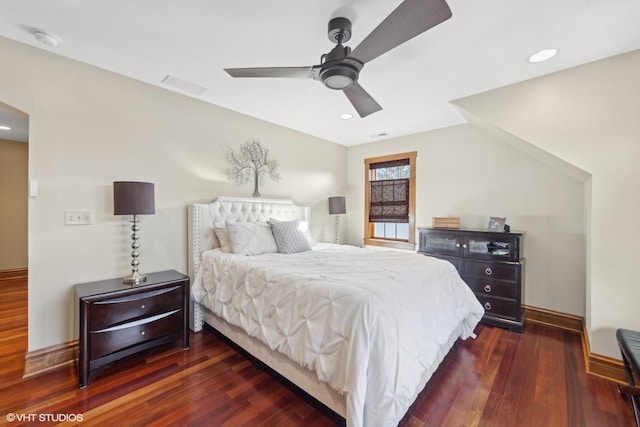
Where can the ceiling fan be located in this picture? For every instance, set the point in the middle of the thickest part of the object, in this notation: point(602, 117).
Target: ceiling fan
point(340, 68)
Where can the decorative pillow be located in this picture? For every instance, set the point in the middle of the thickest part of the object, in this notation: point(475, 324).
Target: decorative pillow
point(302, 226)
point(251, 238)
point(289, 238)
point(224, 239)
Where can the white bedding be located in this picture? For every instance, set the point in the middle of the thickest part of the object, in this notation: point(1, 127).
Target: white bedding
point(368, 322)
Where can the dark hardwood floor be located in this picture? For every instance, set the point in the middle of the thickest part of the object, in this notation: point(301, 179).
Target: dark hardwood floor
point(502, 378)
point(13, 330)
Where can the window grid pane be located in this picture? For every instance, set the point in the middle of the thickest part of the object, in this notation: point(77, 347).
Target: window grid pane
point(402, 231)
point(389, 230)
point(378, 229)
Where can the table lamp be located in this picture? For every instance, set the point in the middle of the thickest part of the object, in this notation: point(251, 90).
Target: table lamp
point(134, 198)
point(337, 207)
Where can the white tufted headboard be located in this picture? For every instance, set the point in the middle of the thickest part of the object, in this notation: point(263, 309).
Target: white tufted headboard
point(203, 216)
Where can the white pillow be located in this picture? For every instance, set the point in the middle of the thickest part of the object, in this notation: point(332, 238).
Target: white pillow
point(302, 226)
point(224, 239)
point(289, 238)
point(251, 238)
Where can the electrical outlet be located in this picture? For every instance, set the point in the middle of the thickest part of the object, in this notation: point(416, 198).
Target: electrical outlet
point(78, 217)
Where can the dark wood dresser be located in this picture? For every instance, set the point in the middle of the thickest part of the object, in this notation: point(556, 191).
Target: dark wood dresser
point(117, 319)
point(491, 263)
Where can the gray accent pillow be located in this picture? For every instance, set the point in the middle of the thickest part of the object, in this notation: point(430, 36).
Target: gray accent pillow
point(289, 238)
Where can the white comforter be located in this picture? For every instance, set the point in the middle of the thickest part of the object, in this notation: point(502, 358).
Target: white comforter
point(369, 322)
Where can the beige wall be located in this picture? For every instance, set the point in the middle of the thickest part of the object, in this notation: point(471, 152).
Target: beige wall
point(588, 116)
point(464, 172)
point(90, 127)
point(13, 204)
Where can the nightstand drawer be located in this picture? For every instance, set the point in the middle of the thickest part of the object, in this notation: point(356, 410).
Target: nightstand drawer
point(115, 338)
point(490, 287)
point(491, 270)
point(499, 307)
point(121, 309)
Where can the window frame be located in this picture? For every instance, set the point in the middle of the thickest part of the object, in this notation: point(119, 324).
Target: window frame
point(369, 239)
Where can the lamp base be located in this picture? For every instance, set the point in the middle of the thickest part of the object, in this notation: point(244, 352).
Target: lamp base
point(134, 278)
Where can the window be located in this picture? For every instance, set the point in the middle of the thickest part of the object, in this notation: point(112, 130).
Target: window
point(390, 201)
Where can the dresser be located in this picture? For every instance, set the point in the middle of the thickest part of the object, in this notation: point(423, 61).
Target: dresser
point(491, 263)
point(117, 320)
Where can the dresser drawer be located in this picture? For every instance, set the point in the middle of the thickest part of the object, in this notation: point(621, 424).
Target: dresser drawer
point(115, 338)
point(499, 307)
point(121, 309)
point(490, 287)
point(491, 270)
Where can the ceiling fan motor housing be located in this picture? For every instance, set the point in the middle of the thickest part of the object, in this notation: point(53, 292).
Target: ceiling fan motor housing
point(339, 30)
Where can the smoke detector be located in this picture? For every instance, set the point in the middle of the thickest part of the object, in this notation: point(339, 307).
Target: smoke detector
point(46, 38)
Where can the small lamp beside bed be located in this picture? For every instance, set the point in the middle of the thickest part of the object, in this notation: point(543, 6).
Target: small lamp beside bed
point(337, 207)
point(134, 198)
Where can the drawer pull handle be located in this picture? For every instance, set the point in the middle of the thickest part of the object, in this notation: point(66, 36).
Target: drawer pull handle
point(487, 288)
point(457, 245)
point(464, 246)
point(487, 306)
point(142, 306)
point(142, 333)
point(488, 271)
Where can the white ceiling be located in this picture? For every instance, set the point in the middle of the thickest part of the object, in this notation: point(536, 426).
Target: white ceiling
point(17, 122)
point(483, 46)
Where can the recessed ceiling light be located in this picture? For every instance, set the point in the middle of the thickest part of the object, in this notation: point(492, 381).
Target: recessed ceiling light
point(542, 55)
point(46, 38)
point(5, 127)
point(345, 116)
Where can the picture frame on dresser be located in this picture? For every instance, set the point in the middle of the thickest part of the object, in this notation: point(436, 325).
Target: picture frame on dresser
point(496, 223)
point(492, 263)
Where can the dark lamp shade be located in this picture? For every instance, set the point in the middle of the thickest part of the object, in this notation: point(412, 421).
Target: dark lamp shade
point(133, 198)
point(337, 205)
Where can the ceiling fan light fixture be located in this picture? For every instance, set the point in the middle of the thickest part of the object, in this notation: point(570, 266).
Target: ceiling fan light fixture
point(338, 77)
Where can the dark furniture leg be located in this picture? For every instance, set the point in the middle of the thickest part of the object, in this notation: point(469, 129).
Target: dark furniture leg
point(629, 343)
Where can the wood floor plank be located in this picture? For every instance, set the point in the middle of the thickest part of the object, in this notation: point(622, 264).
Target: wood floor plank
point(500, 379)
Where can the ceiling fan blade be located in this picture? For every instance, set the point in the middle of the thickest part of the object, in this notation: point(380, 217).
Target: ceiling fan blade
point(411, 18)
point(293, 72)
point(361, 100)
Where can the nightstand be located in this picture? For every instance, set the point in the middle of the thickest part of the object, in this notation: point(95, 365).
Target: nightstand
point(118, 320)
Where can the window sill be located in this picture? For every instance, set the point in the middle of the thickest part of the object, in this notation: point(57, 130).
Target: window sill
point(391, 244)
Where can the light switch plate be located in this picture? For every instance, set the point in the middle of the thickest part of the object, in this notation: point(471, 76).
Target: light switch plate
point(33, 188)
point(78, 216)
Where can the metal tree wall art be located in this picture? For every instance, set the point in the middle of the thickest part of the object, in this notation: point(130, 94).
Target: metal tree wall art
point(251, 163)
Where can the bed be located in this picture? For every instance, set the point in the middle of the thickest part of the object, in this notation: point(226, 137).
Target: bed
point(360, 330)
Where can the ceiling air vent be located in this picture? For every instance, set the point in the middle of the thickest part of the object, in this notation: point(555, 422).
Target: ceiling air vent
point(378, 135)
point(184, 85)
